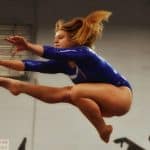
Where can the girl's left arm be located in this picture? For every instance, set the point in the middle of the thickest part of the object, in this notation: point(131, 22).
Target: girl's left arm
point(76, 53)
point(50, 66)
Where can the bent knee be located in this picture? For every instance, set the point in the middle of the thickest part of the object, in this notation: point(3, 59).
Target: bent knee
point(70, 94)
point(74, 94)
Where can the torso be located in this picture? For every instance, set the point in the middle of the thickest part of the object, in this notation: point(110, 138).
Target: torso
point(95, 69)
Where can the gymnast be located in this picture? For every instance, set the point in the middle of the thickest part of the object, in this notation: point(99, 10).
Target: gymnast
point(99, 90)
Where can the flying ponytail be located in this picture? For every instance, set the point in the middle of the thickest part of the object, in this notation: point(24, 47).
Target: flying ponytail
point(85, 31)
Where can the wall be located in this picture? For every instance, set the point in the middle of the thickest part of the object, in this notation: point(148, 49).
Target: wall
point(124, 12)
point(17, 11)
point(16, 113)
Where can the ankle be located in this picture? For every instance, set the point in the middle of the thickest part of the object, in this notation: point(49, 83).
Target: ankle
point(106, 133)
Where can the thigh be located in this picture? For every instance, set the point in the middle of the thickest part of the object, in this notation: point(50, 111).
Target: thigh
point(110, 98)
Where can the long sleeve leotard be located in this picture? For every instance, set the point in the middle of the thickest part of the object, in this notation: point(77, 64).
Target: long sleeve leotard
point(88, 66)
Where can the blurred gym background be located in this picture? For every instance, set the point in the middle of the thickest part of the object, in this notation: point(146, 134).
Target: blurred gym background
point(125, 44)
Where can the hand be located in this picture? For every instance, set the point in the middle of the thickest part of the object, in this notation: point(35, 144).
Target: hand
point(20, 42)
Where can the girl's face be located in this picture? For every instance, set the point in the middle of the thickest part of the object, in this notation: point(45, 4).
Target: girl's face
point(62, 39)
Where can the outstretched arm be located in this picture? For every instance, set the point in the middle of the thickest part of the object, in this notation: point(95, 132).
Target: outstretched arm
point(50, 66)
point(36, 49)
point(76, 53)
point(35, 66)
point(13, 64)
point(22, 44)
point(66, 54)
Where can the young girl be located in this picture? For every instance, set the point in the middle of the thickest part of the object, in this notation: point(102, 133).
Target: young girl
point(98, 91)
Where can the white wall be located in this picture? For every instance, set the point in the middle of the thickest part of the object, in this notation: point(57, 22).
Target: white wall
point(16, 115)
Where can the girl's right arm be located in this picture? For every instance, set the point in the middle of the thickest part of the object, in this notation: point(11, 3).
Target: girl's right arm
point(13, 64)
point(51, 66)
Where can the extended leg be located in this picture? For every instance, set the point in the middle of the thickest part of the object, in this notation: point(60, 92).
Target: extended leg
point(44, 93)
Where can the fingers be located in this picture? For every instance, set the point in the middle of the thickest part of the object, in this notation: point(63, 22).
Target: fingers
point(14, 52)
point(9, 39)
point(18, 41)
point(15, 39)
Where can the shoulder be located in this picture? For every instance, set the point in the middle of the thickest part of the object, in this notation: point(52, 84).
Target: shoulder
point(85, 49)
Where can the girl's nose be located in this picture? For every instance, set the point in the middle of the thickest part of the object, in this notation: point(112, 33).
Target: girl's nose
point(55, 41)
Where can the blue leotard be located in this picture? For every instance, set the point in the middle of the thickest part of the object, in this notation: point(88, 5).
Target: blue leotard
point(88, 66)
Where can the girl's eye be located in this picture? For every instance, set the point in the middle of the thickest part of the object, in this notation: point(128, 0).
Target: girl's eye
point(61, 37)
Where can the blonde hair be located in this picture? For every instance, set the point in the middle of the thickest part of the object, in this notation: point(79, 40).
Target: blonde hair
point(84, 31)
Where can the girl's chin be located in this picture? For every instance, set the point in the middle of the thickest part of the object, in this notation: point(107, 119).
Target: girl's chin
point(58, 46)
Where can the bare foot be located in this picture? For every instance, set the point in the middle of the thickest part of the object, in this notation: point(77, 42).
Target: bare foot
point(106, 132)
point(10, 84)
